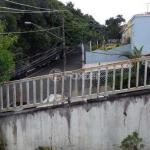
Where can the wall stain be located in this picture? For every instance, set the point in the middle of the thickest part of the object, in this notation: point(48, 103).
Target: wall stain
point(88, 106)
point(65, 112)
point(126, 104)
point(23, 122)
point(14, 127)
point(146, 99)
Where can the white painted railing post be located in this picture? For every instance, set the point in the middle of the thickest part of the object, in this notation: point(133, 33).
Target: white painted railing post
point(129, 76)
point(70, 89)
point(83, 61)
point(1, 97)
point(63, 86)
point(48, 89)
point(55, 88)
point(121, 78)
point(114, 77)
point(137, 75)
point(145, 73)
point(14, 95)
point(34, 92)
point(20, 95)
point(106, 78)
point(83, 83)
point(98, 82)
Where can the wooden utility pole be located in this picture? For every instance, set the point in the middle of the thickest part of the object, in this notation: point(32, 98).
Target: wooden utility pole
point(63, 40)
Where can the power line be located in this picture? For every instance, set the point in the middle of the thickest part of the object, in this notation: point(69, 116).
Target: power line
point(45, 52)
point(21, 4)
point(13, 9)
point(32, 12)
point(4, 33)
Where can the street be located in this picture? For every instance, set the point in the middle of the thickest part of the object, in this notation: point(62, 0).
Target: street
point(73, 62)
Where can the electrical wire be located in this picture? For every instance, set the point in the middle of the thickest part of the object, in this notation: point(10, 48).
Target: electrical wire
point(32, 65)
point(32, 12)
point(4, 33)
point(39, 53)
point(13, 9)
point(21, 4)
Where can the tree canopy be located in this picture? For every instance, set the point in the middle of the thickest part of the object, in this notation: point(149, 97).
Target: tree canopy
point(79, 27)
point(113, 27)
point(6, 57)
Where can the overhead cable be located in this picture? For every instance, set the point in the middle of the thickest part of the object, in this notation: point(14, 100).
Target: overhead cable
point(32, 12)
point(21, 4)
point(5, 33)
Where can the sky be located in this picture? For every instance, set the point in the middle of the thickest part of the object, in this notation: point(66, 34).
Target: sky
point(104, 9)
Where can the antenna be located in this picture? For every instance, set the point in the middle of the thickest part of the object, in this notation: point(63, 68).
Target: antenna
point(147, 4)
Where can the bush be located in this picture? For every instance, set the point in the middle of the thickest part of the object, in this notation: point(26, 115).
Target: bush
point(132, 142)
point(95, 47)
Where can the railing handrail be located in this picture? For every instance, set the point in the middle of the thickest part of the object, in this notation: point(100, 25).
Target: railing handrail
point(77, 71)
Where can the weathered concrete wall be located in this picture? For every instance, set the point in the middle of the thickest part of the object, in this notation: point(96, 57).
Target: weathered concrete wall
point(95, 125)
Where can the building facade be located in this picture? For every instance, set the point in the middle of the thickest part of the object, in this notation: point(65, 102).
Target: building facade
point(137, 32)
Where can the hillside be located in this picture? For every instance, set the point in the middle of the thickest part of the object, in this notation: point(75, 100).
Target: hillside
point(78, 27)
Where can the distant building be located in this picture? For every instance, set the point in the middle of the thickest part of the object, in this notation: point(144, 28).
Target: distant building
point(137, 32)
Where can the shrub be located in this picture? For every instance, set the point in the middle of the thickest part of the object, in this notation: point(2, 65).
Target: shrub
point(132, 142)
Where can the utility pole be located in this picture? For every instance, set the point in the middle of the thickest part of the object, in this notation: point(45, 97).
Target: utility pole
point(63, 40)
point(90, 46)
point(83, 57)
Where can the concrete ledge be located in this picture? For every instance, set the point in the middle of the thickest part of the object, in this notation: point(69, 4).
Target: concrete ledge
point(110, 98)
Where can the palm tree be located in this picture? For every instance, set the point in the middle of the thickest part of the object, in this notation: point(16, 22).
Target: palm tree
point(134, 54)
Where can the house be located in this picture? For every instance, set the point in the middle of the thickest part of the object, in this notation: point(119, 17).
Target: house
point(138, 31)
point(135, 33)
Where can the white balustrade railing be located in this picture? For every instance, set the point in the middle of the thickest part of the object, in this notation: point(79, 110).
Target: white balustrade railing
point(70, 86)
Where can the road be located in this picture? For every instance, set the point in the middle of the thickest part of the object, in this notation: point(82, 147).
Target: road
point(73, 62)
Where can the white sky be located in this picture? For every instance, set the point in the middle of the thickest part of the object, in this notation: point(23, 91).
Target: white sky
point(104, 9)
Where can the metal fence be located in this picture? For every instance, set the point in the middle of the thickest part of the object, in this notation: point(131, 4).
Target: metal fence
point(70, 86)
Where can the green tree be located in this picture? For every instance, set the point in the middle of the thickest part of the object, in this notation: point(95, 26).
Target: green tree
point(113, 27)
point(6, 57)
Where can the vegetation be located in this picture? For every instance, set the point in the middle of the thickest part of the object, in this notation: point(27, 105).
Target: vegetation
point(136, 53)
point(6, 56)
point(130, 55)
point(79, 28)
point(125, 80)
point(2, 143)
point(113, 26)
point(132, 142)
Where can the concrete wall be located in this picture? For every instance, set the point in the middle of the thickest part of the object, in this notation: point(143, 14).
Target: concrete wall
point(140, 32)
point(96, 125)
point(100, 56)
